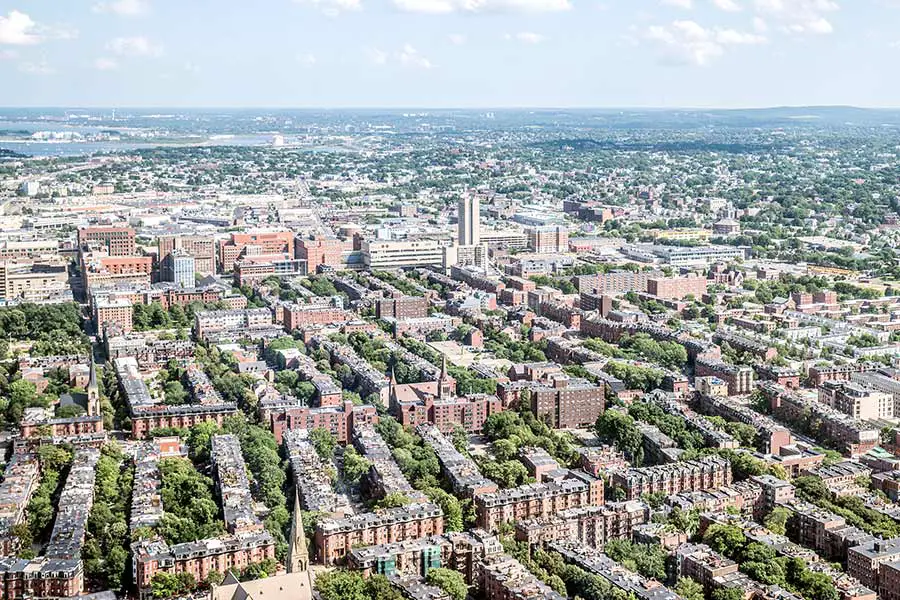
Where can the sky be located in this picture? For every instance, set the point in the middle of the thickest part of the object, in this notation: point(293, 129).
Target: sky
point(449, 53)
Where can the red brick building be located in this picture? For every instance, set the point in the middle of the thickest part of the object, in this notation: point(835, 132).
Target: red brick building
point(321, 250)
point(259, 242)
point(339, 420)
point(530, 501)
point(298, 316)
point(336, 537)
point(219, 555)
point(676, 288)
point(404, 307)
point(703, 474)
point(118, 241)
point(202, 248)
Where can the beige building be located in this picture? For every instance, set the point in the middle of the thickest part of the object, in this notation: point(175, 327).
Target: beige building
point(30, 281)
point(856, 400)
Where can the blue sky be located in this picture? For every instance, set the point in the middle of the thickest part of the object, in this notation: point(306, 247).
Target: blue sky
point(449, 53)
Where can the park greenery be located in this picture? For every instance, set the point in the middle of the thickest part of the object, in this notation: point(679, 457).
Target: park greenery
point(44, 329)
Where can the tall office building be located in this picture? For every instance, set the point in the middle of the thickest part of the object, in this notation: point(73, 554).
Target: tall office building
point(201, 247)
point(469, 226)
point(178, 267)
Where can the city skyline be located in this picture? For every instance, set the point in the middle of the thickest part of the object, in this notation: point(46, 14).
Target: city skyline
point(434, 53)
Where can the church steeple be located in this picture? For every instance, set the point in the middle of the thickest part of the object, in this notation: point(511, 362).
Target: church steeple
point(298, 552)
point(392, 390)
point(444, 382)
point(93, 392)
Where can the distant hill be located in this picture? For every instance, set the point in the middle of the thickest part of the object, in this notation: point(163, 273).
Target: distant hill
point(6, 154)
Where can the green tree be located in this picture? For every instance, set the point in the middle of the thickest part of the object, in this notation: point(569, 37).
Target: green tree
point(341, 585)
point(452, 582)
point(727, 593)
point(776, 521)
point(724, 539)
point(355, 466)
point(324, 442)
point(689, 589)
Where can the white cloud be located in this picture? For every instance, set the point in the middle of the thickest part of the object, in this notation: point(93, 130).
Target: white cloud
point(727, 5)
point(37, 68)
point(682, 4)
point(798, 16)
point(760, 25)
point(442, 7)
point(18, 29)
point(407, 56)
point(377, 57)
point(332, 8)
point(124, 8)
point(307, 60)
point(8, 54)
point(687, 42)
point(410, 57)
point(105, 63)
point(135, 46)
point(457, 39)
point(526, 37)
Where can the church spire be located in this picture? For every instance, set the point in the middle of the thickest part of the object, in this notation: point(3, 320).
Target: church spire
point(93, 391)
point(444, 382)
point(298, 553)
point(392, 390)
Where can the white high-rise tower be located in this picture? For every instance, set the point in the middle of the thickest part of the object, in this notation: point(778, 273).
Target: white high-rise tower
point(469, 221)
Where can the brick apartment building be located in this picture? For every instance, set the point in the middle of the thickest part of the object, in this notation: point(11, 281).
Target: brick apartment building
point(738, 377)
point(300, 316)
point(549, 239)
point(701, 563)
point(874, 564)
point(591, 526)
point(289, 414)
point(148, 413)
point(119, 312)
point(530, 501)
point(614, 282)
point(505, 578)
point(566, 402)
point(99, 269)
point(404, 307)
point(561, 313)
point(335, 538)
point(118, 241)
point(702, 474)
point(676, 288)
point(820, 374)
point(200, 558)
